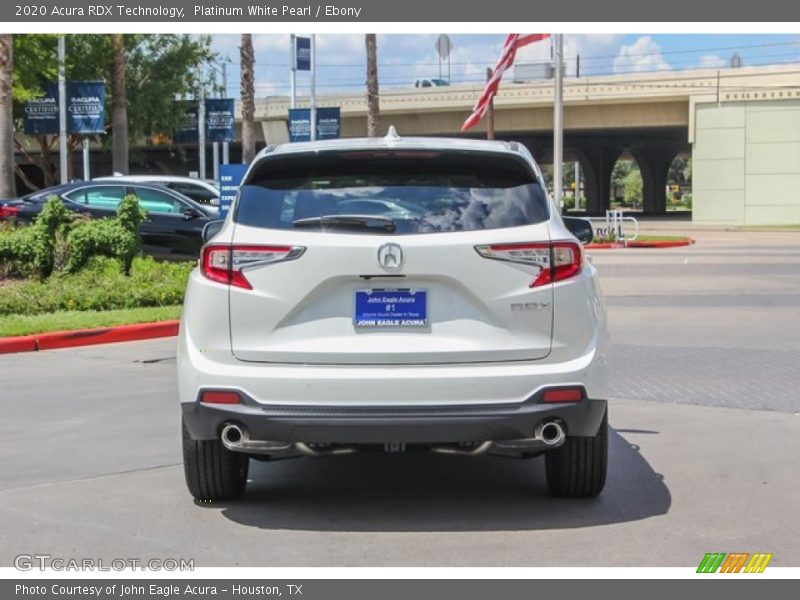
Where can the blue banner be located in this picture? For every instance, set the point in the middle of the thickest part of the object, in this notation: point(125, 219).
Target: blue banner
point(187, 133)
point(230, 178)
point(299, 124)
point(86, 107)
point(41, 114)
point(302, 53)
point(328, 124)
point(220, 123)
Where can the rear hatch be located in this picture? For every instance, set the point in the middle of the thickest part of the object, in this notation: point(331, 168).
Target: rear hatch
point(383, 257)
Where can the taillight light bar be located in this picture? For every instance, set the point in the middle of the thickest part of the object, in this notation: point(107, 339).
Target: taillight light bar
point(557, 261)
point(225, 263)
point(6, 212)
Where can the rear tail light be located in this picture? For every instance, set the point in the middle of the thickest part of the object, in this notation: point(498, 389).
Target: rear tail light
point(220, 397)
point(7, 212)
point(556, 260)
point(227, 263)
point(557, 395)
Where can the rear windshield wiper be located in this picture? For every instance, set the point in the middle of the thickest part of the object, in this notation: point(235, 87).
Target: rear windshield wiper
point(348, 222)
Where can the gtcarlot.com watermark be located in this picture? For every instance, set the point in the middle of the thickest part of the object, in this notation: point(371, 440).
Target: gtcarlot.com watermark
point(44, 562)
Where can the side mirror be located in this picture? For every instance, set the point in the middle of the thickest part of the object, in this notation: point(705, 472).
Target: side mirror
point(211, 229)
point(190, 213)
point(580, 228)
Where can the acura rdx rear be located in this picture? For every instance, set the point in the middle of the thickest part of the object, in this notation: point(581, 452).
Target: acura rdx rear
point(393, 294)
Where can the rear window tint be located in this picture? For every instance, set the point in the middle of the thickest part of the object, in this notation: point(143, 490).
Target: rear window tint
point(419, 191)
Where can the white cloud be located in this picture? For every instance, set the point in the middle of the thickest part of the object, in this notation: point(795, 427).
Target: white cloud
point(643, 55)
point(711, 61)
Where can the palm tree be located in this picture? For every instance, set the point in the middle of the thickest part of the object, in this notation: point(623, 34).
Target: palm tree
point(7, 183)
point(247, 60)
point(119, 105)
point(373, 102)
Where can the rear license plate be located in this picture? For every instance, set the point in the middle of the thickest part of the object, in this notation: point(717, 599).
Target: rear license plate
point(383, 308)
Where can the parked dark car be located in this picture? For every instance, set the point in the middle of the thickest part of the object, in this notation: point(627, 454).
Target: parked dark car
point(174, 223)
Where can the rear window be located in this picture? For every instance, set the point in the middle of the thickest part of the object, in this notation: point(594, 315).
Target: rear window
point(417, 191)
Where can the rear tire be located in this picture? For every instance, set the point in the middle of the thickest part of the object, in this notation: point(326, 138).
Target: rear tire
point(212, 471)
point(577, 469)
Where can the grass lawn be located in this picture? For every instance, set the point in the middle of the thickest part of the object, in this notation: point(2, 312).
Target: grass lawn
point(14, 325)
point(790, 227)
point(660, 238)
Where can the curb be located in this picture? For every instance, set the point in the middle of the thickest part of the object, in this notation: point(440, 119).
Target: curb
point(87, 337)
point(654, 244)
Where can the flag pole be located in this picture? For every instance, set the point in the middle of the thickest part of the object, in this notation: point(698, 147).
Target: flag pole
point(490, 111)
point(558, 123)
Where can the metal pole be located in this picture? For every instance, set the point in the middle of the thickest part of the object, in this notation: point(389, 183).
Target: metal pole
point(577, 184)
point(225, 145)
point(215, 159)
point(558, 125)
point(293, 72)
point(86, 167)
point(201, 128)
point(62, 109)
point(313, 87)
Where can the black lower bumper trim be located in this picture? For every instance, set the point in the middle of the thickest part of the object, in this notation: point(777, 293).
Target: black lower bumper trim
point(377, 425)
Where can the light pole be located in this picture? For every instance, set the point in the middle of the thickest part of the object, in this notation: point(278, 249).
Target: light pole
point(62, 109)
point(558, 124)
point(313, 87)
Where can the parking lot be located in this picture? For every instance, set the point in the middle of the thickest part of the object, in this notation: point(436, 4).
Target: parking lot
point(705, 437)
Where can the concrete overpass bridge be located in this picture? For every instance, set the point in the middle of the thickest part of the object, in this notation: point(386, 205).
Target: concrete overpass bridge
point(723, 117)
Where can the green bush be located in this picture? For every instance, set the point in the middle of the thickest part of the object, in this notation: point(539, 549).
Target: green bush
point(31, 250)
point(100, 286)
point(117, 237)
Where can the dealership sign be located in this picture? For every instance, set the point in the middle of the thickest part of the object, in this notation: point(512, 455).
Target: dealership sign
point(220, 120)
point(85, 109)
point(187, 132)
point(219, 126)
point(86, 113)
point(302, 53)
point(230, 178)
point(328, 123)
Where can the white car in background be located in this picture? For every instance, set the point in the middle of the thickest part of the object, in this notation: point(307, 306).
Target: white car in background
point(456, 314)
point(203, 191)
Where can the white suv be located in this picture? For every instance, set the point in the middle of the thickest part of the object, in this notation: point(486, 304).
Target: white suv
point(400, 294)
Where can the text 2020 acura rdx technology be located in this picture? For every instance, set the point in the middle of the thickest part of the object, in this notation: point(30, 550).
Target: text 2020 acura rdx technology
point(395, 294)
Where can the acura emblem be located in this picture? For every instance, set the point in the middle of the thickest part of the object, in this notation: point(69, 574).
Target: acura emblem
point(390, 256)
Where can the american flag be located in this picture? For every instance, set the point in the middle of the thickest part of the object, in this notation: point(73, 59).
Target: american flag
point(514, 41)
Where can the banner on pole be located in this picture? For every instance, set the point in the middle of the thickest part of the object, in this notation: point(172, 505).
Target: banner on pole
point(187, 133)
point(86, 107)
point(41, 114)
point(220, 123)
point(328, 123)
point(86, 110)
point(302, 53)
point(230, 178)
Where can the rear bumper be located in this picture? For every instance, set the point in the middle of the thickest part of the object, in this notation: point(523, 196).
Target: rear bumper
point(382, 424)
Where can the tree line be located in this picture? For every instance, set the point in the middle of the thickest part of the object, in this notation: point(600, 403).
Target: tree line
point(146, 73)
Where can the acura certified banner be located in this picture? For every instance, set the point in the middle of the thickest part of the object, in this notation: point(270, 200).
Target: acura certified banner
point(85, 109)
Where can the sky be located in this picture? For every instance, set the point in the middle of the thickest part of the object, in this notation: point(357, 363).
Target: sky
point(402, 58)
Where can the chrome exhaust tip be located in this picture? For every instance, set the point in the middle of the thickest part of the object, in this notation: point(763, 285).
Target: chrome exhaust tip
point(551, 433)
point(236, 439)
point(233, 436)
